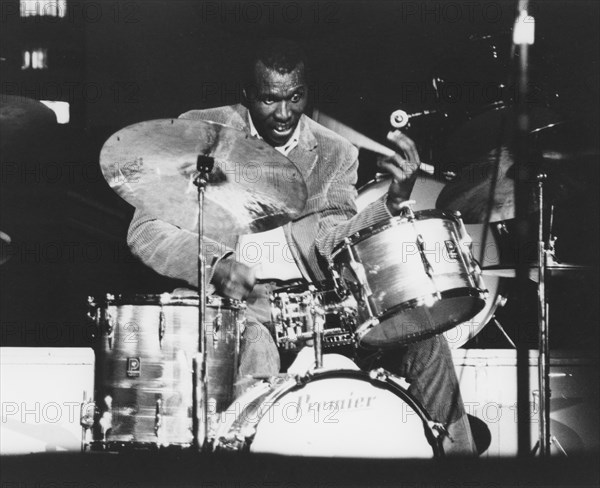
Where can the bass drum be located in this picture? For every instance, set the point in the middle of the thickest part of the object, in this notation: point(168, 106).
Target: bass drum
point(425, 193)
point(330, 413)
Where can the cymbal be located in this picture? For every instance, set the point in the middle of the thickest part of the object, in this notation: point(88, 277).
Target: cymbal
point(493, 126)
point(252, 188)
point(469, 193)
point(554, 270)
point(5, 247)
point(21, 120)
point(570, 141)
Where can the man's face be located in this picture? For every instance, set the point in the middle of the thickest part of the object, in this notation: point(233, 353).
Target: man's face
point(277, 102)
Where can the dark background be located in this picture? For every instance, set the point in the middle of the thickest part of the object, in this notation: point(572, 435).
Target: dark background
point(119, 63)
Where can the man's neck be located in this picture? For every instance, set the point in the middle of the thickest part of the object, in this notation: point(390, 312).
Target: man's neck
point(284, 149)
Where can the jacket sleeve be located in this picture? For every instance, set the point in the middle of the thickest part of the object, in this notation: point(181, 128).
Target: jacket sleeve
point(339, 218)
point(170, 250)
point(315, 236)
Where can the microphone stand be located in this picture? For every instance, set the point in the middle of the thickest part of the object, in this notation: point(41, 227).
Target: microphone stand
point(204, 165)
point(523, 36)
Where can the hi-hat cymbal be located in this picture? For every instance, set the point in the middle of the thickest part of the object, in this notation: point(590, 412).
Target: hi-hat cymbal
point(553, 270)
point(252, 188)
point(491, 127)
point(470, 192)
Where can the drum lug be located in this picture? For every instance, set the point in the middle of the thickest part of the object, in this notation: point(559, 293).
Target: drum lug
point(217, 324)
point(158, 417)
point(105, 421)
point(406, 210)
point(162, 326)
point(87, 414)
point(379, 374)
point(108, 325)
point(361, 275)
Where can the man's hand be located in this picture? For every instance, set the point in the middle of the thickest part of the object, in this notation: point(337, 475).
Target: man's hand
point(232, 279)
point(403, 169)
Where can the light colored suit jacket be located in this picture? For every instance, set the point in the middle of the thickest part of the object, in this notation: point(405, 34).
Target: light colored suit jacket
point(328, 163)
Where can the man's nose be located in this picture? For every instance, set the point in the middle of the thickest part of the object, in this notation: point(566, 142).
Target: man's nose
point(283, 111)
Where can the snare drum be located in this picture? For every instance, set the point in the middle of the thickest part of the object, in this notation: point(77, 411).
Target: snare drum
point(334, 413)
point(145, 348)
point(412, 276)
point(294, 310)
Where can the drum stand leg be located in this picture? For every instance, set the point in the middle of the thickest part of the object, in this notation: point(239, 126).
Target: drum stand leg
point(204, 165)
point(504, 333)
point(318, 319)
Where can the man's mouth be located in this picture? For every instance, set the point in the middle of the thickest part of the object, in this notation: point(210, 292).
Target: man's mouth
point(283, 130)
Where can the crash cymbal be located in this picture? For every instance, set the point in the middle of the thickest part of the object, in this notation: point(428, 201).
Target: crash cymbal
point(252, 188)
point(469, 192)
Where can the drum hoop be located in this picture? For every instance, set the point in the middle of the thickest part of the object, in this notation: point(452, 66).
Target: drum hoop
point(126, 446)
point(295, 383)
point(390, 223)
point(166, 299)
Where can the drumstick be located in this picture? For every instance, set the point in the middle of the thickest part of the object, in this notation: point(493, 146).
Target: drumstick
point(360, 140)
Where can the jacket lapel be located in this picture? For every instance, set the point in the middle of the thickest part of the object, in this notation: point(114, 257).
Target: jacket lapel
point(304, 155)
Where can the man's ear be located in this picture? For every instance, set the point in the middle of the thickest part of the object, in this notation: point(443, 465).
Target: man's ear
point(248, 94)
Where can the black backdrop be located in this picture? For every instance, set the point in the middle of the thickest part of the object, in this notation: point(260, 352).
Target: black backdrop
point(145, 60)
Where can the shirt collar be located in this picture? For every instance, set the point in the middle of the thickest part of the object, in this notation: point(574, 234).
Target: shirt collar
point(287, 147)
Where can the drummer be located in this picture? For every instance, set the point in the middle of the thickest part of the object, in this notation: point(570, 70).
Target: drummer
point(273, 109)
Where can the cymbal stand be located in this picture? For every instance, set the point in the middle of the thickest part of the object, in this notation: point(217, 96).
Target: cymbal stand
point(204, 165)
point(546, 256)
point(318, 321)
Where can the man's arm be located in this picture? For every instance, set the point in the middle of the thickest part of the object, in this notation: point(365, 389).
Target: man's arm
point(170, 250)
point(339, 218)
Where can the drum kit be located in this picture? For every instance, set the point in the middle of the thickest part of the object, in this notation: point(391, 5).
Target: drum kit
point(167, 368)
point(166, 364)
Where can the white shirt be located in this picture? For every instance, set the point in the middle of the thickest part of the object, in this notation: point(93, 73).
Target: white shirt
point(288, 146)
point(268, 252)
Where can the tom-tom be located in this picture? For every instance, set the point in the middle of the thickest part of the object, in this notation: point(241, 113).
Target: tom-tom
point(294, 311)
point(413, 276)
point(330, 413)
point(425, 192)
point(145, 347)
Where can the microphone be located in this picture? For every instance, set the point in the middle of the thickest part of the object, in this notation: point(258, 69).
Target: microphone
point(399, 118)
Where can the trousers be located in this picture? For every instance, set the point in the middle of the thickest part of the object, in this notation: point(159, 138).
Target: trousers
point(426, 365)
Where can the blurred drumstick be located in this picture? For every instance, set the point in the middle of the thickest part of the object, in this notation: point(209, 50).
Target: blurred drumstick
point(358, 139)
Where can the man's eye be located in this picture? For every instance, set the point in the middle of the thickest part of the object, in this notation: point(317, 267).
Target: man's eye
point(296, 97)
point(268, 100)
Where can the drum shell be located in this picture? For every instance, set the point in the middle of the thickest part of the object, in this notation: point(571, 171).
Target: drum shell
point(425, 192)
point(144, 359)
point(407, 303)
point(329, 413)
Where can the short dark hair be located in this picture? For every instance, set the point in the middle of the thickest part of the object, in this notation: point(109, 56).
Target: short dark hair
point(277, 54)
point(281, 55)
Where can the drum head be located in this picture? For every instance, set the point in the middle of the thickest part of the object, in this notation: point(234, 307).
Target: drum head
point(339, 414)
point(417, 323)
